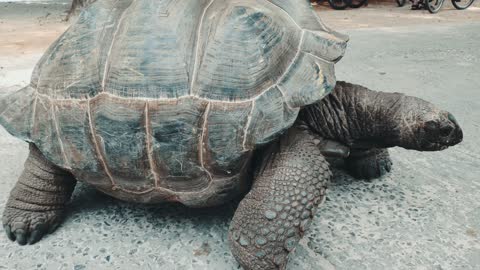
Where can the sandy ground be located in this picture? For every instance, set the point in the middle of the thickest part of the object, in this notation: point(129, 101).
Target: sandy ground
point(26, 31)
point(424, 215)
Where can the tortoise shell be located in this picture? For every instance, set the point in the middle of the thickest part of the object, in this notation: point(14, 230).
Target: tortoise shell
point(154, 100)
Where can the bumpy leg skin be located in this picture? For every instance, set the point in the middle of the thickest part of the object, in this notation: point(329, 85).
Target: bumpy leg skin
point(369, 164)
point(37, 202)
point(287, 190)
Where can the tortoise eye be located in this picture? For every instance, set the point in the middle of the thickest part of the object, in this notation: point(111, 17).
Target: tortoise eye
point(431, 125)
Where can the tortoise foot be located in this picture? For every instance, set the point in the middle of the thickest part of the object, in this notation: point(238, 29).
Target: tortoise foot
point(369, 164)
point(37, 202)
point(277, 212)
point(27, 227)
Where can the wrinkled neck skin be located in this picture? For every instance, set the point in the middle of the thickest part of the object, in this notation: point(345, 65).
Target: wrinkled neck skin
point(361, 118)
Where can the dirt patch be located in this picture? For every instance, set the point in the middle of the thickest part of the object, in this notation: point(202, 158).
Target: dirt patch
point(29, 28)
point(26, 31)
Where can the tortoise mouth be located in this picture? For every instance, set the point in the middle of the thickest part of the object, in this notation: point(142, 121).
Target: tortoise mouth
point(433, 146)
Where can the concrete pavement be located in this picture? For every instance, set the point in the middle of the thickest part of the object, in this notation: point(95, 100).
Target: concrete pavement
point(424, 215)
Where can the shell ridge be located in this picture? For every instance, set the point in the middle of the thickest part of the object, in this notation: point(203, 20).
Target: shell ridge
point(282, 91)
point(319, 58)
point(107, 60)
point(197, 47)
point(156, 99)
point(34, 111)
point(202, 142)
point(148, 142)
point(60, 141)
point(294, 60)
point(286, 13)
point(98, 151)
point(247, 126)
point(37, 67)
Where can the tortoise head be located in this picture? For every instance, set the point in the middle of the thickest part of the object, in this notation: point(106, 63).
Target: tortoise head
point(419, 125)
point(437, 131)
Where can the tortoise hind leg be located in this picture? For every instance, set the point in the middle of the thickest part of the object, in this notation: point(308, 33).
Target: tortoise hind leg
point(369, 164)
point(274, 216)
point(37, 202)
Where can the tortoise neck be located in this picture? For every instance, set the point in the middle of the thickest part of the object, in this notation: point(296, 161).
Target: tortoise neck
point(354, 116)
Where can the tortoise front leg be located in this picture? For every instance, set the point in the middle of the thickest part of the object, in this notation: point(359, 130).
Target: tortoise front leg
point(37, 202)
point(368, 163)
point(287, 190)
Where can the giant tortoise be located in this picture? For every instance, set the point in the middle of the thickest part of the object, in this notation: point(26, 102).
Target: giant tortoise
point(200, 102)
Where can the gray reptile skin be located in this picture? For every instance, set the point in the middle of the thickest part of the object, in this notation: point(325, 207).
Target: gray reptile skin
point(363, 119)
point(277, 211)
point(37, 202)
point(369, 164)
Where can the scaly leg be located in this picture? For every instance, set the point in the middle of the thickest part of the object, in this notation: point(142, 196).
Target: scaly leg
point(369, 164)
point(287, 190)
point(37, 202)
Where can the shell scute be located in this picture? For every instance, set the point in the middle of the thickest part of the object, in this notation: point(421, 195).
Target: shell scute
point(244, 49)
point(44, 131)
point(152, 52)
point(309, 80)
point(325, 45)
point(118, 128)
point(302, 13)
point(224, 141)
point(78, 145)
point(272, 116)
point(72, 66)
point(16, 110)
point(176, 134)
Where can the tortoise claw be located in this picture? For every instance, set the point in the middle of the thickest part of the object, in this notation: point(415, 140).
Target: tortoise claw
point(36, 235)
point(21, 237)
point(9, 233)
